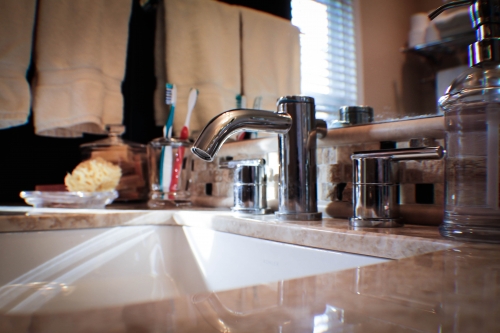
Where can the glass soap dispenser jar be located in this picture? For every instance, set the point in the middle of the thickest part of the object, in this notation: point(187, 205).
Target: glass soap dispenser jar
point(471, 108)
point(131, 157)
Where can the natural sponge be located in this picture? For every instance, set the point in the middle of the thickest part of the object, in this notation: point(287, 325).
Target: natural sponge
point(95, 175)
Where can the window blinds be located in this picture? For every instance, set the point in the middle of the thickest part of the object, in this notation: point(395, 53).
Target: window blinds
point(328, 54)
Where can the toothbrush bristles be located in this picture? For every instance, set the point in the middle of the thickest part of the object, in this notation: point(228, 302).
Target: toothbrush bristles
point(169, 93)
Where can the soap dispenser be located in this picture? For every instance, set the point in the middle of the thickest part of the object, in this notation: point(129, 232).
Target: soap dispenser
point(471, 107)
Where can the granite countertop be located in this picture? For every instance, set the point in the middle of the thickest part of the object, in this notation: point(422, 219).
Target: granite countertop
point(433, 285)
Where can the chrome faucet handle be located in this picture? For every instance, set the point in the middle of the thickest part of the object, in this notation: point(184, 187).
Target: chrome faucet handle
point(375, 184)
point(249, 186)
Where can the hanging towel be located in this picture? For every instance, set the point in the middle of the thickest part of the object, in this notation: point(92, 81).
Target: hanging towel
point(16, 29)
point(270, 57)
point(80, 56)
point(202, 52)
point(160, 108)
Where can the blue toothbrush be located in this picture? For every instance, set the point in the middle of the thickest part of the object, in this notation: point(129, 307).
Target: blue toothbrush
point(165, 172)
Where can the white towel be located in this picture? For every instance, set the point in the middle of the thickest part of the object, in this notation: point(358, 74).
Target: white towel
point(16, 29)
point(271, 57)
point(202, 52)
point(81, 48)
point(160, 108)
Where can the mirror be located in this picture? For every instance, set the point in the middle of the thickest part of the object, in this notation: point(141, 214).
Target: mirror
point(401, 82)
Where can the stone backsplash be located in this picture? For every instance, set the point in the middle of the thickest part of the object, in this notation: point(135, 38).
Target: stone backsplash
point(421, 182)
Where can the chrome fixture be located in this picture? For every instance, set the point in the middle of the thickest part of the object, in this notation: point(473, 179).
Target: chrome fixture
point(355, 115)
point(297, 127)
point(249, 186)
point(485, 18)
point(449, 5)
point(375, 184)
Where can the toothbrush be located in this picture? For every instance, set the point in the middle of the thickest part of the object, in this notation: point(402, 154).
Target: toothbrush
point(241, 103)
point(166, 152)
point(193, 96)
point(256, 106)
point(179, 157)
point(257, 102)
point(170, 99)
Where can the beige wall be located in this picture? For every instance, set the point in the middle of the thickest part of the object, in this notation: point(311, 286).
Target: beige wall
point(392, 79)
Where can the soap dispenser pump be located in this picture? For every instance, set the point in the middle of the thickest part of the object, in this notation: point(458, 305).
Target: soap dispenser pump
point(471, 107)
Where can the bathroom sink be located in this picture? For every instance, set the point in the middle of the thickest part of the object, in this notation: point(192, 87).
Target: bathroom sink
point(70, 270)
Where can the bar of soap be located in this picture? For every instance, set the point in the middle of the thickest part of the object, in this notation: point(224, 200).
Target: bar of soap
point(94, 175)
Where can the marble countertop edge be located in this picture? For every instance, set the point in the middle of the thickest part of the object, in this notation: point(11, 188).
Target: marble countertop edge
point(328, 234)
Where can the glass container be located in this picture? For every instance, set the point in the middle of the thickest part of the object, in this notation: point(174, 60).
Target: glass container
point(472, 125)
point(169, 163)
point(131, 157)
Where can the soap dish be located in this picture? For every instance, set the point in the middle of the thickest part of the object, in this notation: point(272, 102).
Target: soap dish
point(49, 199)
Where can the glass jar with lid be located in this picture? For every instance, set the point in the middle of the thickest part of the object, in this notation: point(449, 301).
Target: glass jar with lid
point(131, 157)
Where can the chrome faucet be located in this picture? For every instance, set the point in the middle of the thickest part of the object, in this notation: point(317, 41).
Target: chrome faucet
point(297, 127)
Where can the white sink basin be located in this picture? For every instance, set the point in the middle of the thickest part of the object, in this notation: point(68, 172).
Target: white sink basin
point(69, 270)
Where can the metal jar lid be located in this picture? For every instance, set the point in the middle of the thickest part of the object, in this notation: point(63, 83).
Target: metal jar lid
point(352, 115)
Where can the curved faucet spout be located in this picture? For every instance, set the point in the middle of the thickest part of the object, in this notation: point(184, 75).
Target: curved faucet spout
point(297, 126)
point(221, 127)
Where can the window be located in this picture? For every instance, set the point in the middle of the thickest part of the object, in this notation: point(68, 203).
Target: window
point(328, 53)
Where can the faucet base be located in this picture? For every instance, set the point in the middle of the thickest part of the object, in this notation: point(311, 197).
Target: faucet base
point(295, 216)
point(374, 223)
point(251, 211)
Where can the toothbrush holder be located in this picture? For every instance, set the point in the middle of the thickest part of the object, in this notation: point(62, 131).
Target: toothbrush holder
point(169, 162)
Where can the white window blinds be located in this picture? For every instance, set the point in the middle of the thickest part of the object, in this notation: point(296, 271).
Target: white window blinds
point(328, 54)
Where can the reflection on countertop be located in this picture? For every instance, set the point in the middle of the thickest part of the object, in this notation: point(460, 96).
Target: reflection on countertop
point(434, 286)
